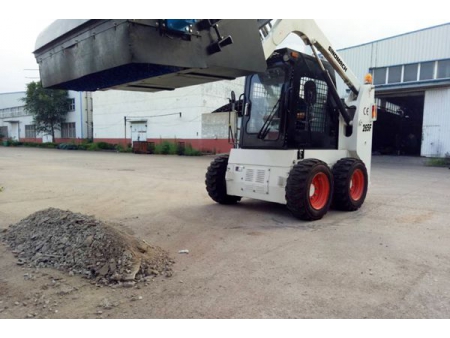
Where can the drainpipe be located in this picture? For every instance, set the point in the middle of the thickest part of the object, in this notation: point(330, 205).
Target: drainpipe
point(81, 115)
point(125, 128)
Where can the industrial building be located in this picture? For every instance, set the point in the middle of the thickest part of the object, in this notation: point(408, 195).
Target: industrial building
point(411, 73)
point(183, 115)
point(17, 124)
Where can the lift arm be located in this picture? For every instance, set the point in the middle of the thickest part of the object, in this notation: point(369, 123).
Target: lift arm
point(311, 35)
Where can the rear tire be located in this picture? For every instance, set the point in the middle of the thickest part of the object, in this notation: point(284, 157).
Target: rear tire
point(215, 181)
point(309, 189)
point(350, 184)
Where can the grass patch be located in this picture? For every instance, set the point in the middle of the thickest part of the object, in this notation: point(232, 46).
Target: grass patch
point(438, 162)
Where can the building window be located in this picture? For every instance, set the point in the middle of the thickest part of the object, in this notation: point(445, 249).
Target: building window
point(410, 72)
point(12, 112)
point(68, 130)
point(379, 76)
point(427, 70)
point(4, 132)
point(71, 104)
point(395, 74)
point(30, 131)
point(443, 69)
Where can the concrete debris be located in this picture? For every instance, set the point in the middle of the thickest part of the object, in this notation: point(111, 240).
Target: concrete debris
point(82, 245)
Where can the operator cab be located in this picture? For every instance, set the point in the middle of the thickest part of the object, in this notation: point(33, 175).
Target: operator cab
point(289, 106)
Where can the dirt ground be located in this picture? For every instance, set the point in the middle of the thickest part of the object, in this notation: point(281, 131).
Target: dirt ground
point(390, 259)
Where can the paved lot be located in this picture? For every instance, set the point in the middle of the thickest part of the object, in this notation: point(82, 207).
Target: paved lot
point(390, 259)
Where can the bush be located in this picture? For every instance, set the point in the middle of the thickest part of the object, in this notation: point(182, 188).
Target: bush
point(121, 149)
point(47, 145)
point(67, 146)
point(106, 146)
point(83, 146)
point(30, 144)
point(15, 143)
point(189, 151)
point(6, 143)
point(166, 148)
point(172, 148)
point(151, 148)
point(93, 147)
point(180, 148)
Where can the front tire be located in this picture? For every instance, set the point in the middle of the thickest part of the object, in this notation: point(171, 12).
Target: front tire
point(215, 181)
point(309, 189)
point(350, 182)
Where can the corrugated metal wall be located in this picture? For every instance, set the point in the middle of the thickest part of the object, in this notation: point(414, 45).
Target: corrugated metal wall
point(423, 45)
point(436, 123)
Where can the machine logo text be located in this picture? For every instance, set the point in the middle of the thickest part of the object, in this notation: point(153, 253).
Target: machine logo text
point(338, 59)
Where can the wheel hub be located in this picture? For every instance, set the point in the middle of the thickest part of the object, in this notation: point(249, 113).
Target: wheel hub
point(319, 191)
point(357, 184)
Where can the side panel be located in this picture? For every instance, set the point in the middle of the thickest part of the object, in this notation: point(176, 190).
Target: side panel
point(262, 174)
point(259, 174)
point(359, 143)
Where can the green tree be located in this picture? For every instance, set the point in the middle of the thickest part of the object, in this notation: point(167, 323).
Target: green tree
point(49, 107)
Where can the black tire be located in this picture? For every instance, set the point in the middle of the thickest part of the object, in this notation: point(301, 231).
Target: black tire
point(350, 184)
point(307, 175)
point(215, 181)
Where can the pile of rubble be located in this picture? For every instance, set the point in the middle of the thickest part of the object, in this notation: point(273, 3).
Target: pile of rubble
point(81, 244)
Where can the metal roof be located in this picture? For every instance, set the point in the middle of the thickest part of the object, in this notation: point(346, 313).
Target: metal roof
point(394, 36)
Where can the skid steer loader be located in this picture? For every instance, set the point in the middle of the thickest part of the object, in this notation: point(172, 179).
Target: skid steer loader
point(298, 143)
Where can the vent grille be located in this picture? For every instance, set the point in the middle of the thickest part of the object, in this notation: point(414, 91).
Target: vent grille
point(260, 176)
point(256, 180)
point(249, 174)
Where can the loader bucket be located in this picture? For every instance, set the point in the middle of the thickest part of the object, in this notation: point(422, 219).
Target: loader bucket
point(146, 55)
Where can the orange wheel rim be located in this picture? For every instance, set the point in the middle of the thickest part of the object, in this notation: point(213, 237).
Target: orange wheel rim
point(319, 191)
point(357, 185)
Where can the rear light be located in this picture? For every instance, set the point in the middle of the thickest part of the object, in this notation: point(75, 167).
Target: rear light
point(374, 112)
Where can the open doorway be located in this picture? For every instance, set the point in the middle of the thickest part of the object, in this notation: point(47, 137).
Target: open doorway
point(398, 130)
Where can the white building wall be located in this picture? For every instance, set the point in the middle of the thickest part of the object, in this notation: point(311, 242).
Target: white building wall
point(161, 110)
point(11, 109)
point(217, 94)
point(80, 114)
point(436, 123)
point(10, 101)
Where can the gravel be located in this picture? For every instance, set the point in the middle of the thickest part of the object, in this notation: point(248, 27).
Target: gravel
point(82, 245)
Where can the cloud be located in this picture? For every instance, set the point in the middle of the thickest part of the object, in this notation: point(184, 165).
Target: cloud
point(18, 38)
